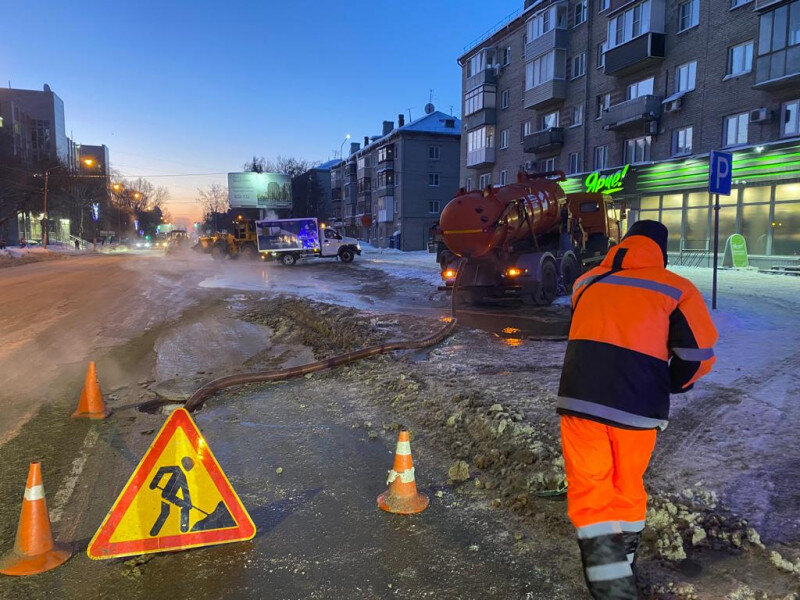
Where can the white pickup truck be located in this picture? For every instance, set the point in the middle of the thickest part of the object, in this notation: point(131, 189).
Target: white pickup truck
point(289, 240)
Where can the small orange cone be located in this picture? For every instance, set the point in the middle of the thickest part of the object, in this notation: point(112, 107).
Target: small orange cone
point(34, 550)
point(91, 405)
point(402, 496)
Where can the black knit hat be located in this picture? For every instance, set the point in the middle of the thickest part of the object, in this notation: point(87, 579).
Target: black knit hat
point(654, 230)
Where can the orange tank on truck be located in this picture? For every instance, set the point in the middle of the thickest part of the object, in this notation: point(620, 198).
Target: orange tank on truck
point(527, 238)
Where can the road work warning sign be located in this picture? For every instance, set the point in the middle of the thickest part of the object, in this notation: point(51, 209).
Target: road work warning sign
point(177, 498)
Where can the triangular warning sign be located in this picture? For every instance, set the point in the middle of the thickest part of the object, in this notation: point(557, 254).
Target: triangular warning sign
point(177, 498)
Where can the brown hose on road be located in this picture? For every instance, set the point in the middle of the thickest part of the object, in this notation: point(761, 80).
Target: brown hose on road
point(211, 388)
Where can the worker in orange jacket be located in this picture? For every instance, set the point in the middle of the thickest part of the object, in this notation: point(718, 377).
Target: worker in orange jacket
point(639, 332)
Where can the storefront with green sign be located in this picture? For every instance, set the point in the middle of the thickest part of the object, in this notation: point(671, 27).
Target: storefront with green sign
point(764, 205)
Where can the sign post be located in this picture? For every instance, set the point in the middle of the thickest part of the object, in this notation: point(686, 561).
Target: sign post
point(720, 176)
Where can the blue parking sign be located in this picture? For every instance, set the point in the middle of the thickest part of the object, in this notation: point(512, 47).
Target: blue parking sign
point(720, 172)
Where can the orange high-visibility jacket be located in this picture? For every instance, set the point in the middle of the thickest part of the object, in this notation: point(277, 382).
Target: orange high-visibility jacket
point(638, 333)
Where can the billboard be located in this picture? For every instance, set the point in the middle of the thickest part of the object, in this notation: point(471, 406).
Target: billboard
point(259, 190)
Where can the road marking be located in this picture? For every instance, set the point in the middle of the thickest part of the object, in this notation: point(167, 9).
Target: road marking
point(64, 493)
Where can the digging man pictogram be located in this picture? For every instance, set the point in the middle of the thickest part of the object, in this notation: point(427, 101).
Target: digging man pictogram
point(176, 493)
point(169, 494)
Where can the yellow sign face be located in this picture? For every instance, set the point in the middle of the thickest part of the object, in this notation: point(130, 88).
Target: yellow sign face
point(178, 497)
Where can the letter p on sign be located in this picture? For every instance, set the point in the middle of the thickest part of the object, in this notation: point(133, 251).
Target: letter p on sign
point(720, 172)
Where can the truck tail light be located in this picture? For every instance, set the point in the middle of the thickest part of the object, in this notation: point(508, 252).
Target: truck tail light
point(448, 274)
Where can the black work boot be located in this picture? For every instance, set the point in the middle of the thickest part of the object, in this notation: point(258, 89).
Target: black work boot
point(631, 539)
point(606, 568)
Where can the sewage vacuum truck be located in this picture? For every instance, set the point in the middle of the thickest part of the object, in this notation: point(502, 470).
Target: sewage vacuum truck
point(527, 239)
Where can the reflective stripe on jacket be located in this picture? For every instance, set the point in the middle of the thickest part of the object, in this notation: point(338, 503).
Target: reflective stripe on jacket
point(638, 333)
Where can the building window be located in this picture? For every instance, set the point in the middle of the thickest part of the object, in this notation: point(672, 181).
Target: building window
point(640, 88)
point(734, 129)
point(578, 65)
point(790, 123)
point(469, 184)
point(555, 16)
point(685, 76)
point(504, 139)
point(545, 68)
point(600, 157)
point(527, 128)
point(386, 179)
point(574, 162)
point(506, 56)
point(577, 115)
point(480, 98)
point(579, 13)
point(688, 15)
point(638, 149)
point(740, 59)
point(548, 164)
point(603, 102)
point(604, 5)
point(485, 181)
point(549, 120)
point(480, 138)
point(434, 152)
point(386, 153)
point(433, 207)
point(682, 141)
point(504, 98)
point(601, 55)
point(503, 177)
point(738, 3)
point(476, 63)
point(779, 30)
point(433, 179)
point(629, 24)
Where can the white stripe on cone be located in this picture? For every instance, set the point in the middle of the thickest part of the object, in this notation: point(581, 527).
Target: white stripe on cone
point(34, 493)
point(403, 448)
point(406, 476)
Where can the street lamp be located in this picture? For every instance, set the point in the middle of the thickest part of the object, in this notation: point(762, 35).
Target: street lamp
point(341, 148)
point(89, 162)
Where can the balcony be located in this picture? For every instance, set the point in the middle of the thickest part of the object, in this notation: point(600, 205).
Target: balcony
point(779, 69)
point(616, 5)
point(386, 210)
point(549, 92)
point(555, 38)
point(385, 191)
point(480, 157)
point(547, 140)
point(636, 110)
point(631, 56)
point(487, 76)
point(487, 116)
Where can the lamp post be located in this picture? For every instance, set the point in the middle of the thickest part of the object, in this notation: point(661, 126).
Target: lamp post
point(44, 206)
point(341, 147)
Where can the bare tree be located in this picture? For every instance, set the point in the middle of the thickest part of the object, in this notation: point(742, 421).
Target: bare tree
point(214, 199)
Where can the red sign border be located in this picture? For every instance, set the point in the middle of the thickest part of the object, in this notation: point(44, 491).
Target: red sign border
point(101, 546)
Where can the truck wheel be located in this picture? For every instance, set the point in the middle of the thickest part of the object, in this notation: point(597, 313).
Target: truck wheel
point(287, 260)
point(548, 285)
point(219, 252)
point(570, 271)
point(346, 255)
point(249, 252)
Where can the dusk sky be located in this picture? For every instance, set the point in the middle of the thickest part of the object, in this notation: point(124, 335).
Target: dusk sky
point(199, 87)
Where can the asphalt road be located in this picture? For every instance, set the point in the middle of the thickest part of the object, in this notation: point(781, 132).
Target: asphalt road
point(320, 532)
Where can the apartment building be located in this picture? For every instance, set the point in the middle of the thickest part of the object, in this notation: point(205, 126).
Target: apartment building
point(391, 190)
point(647, 88)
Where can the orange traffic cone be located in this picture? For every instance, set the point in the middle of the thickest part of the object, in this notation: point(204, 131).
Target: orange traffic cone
point(34, 550)
point(91, 405)
point(402, 496)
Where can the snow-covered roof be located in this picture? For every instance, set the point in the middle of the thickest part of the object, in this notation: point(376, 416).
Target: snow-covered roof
point(433, 123)
point(327, 166)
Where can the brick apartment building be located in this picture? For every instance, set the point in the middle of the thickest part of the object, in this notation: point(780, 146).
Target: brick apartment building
point(588, 86)
point(391, 190)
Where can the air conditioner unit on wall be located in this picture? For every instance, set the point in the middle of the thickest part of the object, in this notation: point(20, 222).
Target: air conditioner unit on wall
point(760, 115)
point(673, 105)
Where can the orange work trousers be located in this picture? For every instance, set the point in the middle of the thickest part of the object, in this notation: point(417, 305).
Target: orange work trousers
point(605, 466)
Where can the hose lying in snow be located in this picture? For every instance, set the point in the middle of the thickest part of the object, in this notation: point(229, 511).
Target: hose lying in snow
point(211, 388)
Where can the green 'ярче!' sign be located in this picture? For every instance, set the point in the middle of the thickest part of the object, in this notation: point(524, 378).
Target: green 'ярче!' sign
point(736, 252)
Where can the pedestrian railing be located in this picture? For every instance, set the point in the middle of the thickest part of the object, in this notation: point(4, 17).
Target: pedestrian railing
point(694, 253)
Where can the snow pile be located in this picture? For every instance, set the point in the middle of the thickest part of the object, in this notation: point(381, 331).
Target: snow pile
point(418, 264)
